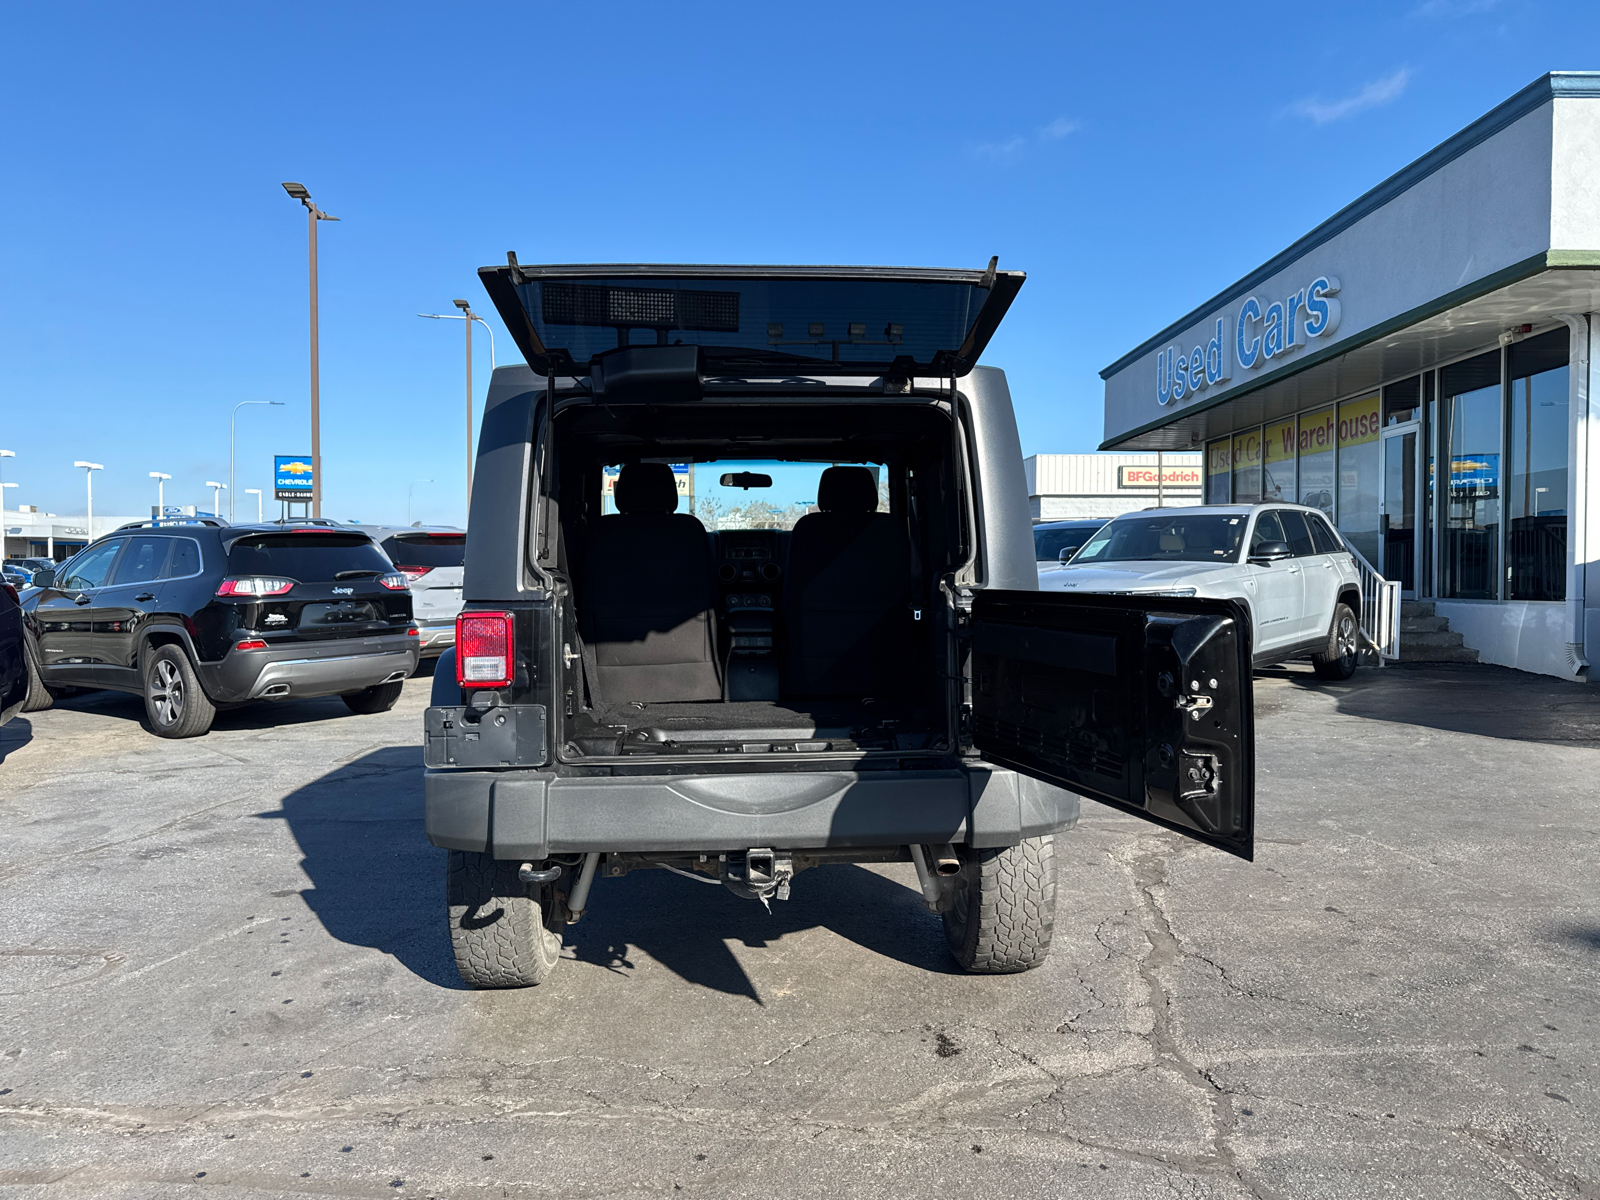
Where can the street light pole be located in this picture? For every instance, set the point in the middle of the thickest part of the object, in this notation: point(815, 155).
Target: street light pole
point(469, 317)
point(313, 215)
point(4, 454)
point(216, 497)
point(256, 492)
point(89, 469)
point(161, 478)
point(232, 420)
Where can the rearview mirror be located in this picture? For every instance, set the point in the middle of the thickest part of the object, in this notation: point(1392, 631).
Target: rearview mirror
point(1271, 552)
point(746, 480)
point(43, 578)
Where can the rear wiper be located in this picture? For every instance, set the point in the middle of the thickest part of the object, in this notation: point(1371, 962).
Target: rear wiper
point(357, 574)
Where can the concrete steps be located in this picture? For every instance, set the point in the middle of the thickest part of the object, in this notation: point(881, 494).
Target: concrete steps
point(1427, 637)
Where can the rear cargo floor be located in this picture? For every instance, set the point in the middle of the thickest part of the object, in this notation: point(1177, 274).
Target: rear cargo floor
point(859, 724)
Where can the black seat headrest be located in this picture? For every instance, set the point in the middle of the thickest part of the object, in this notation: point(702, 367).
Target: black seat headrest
point(847, 489)
point(645, 488)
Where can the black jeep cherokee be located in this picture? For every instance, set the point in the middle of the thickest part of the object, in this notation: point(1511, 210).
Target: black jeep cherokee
point(866, 673)
point(196, 615)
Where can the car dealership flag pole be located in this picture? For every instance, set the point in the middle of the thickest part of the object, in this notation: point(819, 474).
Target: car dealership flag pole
point(313, 215)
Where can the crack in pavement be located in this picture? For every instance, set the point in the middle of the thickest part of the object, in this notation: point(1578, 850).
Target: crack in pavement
point(1148, 869)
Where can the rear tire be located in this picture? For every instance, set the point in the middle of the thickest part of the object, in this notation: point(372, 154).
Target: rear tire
point(497, 925)
point(39, 697)
point(1338, 661)
point(1003, 913)
point(174, 702)
point(377, 699)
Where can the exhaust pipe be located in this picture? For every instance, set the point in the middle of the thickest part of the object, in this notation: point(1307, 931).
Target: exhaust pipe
point(275, 691)
point(945, 860)
point(395, 677)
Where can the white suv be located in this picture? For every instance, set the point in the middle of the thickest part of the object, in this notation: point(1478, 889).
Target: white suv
point(1284, 561)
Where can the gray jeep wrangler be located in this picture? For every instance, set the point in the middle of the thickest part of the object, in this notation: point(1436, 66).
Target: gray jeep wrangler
point(859, 669)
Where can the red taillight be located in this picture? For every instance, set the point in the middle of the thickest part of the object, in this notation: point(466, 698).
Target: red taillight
point(414, 573)
point(10, 591)
point(395, 581)
point(412, 632)
point(252, 644)
point(483, 649)
point(255, 585)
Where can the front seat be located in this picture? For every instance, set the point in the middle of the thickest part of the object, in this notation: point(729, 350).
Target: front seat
point(645, 609)
point(847, 595)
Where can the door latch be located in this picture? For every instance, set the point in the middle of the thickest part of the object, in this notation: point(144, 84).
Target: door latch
point(1194, 705)
point(567, 656)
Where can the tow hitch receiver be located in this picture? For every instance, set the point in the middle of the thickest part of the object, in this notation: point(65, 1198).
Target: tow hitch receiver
point(758, 874)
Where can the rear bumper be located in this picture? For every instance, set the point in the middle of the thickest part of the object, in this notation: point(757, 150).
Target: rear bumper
point(308, 669)
point(436, 639)
point(529, 815)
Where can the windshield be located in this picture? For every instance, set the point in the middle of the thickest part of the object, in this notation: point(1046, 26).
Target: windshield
point(306, 557)
point(778, 505)
point(1049, 543)
point(1169, 537)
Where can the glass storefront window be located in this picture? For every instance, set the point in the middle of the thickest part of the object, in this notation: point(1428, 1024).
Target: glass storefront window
point(1219, 471)
point(1317, 431)
point(1247, 467)
point(1358, 475)
point(1469, 435)
point(1277, 461)
point(1536, 473)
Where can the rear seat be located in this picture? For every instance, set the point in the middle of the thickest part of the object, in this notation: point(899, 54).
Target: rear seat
point(646, 606)
point(847, 594)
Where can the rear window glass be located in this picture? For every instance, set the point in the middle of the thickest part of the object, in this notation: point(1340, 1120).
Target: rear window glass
point(1325, 540)
point(427, 549)
point(143, 560)
point(305, 557)
point(185, 559)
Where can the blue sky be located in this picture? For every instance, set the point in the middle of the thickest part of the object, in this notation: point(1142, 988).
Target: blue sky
point(1133, 159)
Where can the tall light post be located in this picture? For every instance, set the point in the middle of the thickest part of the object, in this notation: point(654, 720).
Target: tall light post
point(468, 316)
point(231, 422)
point(409, 490)
point(216, 496)
point(256, 492)
point(313, 215)
point(4, 454)
point(89, 469)
point(161, 478)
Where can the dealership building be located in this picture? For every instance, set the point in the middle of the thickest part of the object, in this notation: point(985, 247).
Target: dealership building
point(1448, 316)
point(1062, 487)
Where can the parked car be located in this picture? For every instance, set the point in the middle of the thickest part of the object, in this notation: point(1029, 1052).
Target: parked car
point(197, 614)
point(15, 576)
point(13, 672)
point(1056, 541)
point(26, 567)
point(430, 556)
point(1284, 562)
point(884, 682)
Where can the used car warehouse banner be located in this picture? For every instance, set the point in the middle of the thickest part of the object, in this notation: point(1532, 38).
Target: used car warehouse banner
point(1327, 459)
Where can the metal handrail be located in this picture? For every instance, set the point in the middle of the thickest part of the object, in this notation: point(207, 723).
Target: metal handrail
point(1380, 608)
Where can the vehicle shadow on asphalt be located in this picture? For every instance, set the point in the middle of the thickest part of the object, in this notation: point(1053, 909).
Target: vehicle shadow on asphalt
point(1473, 698)
point(686, 926)
point(248, 718)
point(14, 735)
point(375, 880)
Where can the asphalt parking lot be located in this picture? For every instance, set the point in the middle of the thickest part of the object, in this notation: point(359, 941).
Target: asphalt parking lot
point(225, 972)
